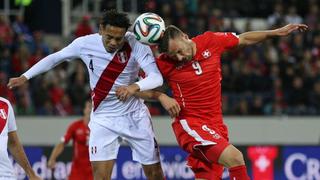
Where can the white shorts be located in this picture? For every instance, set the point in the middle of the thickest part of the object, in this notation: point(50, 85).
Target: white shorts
point(106, 134)
point(7, 178)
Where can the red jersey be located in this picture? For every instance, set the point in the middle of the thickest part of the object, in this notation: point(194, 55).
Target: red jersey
point(78, 131)
point(196, 84)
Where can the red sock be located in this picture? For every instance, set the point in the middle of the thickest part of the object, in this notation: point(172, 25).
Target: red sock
point(238, 173)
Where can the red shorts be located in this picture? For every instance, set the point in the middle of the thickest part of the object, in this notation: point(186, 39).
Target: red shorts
point(204, 142)
point(81, 172)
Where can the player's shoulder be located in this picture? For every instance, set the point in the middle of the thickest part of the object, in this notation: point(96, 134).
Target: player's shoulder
point(162, 59)
point(164, 62)
point(133, 42)
point(205, 35)
point(76, 123)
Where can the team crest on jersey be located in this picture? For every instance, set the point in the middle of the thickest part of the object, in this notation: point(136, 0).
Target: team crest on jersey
point(122, 56)
point(206, 54)
point(3, 114)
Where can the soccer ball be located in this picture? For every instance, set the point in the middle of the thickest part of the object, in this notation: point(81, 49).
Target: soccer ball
point(148, 28)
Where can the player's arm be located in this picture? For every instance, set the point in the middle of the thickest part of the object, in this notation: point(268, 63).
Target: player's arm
point(47, 63)
point(168, 103)
point(58, 149)
point(153, 80)
point(253, 37)
point(15, 147)
point(19, 155)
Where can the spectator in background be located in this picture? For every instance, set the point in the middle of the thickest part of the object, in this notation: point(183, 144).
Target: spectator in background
point(9, 140)
point(41, 97)
point(78, 133)
point(4, 90)
point(166, 13)
point(277, 17)
point(5, 61)
point(20, 60)
point(312, 17)
point(20, 28)
point(297, 97)
point(39, 44)
point(83, 27)
point(257, 106)
point(6, 33)
point(242, 108)
point(292, 16)
point(24, 103)
point(314, 98)
point(79, 89)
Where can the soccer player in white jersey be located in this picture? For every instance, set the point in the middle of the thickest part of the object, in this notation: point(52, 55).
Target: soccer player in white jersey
point(113, 58)
point(9, 139)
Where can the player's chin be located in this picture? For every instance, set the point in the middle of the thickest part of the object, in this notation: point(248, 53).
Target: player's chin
point(111, 50)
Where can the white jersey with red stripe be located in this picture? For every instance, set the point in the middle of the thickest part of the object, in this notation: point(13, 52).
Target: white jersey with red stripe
point(7, 124)
point(107, 71)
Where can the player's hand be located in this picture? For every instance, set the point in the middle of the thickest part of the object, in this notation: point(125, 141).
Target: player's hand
point(16, 82)
point(51, 163)
point(286, 30)
point(125, 92)
point(170, 104)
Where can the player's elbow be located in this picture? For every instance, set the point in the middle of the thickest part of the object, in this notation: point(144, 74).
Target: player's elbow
point(158, 80)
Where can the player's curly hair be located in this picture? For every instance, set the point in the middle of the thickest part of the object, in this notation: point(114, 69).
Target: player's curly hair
point(114, 18)
point(170, 33)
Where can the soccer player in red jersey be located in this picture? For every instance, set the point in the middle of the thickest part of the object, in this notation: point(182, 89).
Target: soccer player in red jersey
point(78, 132)
point(192, 68)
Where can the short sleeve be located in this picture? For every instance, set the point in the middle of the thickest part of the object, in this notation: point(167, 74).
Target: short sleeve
point(222, 40)
point(69, 134)
point(11, 119)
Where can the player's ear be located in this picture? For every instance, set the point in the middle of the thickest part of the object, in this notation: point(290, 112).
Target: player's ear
point(100, 29)
point(184, 35)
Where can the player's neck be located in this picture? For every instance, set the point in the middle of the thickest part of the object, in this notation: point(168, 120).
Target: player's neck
point(86, 120)
point(194, 49)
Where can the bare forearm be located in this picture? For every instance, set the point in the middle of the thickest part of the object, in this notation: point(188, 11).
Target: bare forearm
point(18, 154)
point(58, 149)
point(253, 37)
point(149, 95)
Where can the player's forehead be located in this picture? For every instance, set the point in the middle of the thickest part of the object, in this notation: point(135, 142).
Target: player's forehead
point(113, 31)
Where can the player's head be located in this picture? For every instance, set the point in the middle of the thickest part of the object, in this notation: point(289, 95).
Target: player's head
point(87, 108)
point(113, 26)
point(176, 44)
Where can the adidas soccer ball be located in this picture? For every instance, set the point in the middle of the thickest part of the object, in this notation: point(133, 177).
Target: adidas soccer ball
point(148, 28)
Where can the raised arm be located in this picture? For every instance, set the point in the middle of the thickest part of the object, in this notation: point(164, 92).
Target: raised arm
point(47, 63)
point(19, 155)
point(253, 37)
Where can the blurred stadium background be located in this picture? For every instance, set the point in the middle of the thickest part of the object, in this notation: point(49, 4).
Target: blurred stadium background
point(271, 91)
